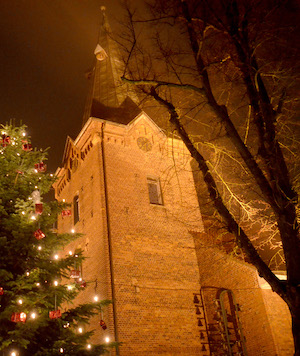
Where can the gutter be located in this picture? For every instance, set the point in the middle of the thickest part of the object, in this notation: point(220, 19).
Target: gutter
point(113, 292)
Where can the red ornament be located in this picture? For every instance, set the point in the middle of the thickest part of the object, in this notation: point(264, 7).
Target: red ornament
point(38, 234)
point(75, 273)
point(18, 317)
point(26, 146)
point(66, 213)
point(81, 283)
point(40, 167)
point(5, 140)
point(39, 208)
point(55, 314)
point(103, 325)
point(1, 291)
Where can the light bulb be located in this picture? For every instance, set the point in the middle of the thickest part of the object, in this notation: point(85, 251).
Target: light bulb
point(61, 350)
point(96, 298)
point(89, 346)
point(33, 315)
point(70, 253)
point(39, 248)
point(23, 212)
point(23, 134)
point(72, 231)
point(38, 284)
point(69, 287)
point(20, 301)
point(27, 273)
point(55, 283)
point(80, 330)
point(33, 217)
point(13, 353)
point(64, 200)
point(56, 257)
point(107, 339)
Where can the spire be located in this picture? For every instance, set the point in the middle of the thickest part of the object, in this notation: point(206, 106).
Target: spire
point(107, 94)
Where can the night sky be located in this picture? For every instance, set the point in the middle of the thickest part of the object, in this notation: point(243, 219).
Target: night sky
point(46, 48)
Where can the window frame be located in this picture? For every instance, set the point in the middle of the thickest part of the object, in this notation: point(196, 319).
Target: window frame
point(76, 210)
point(157, 199)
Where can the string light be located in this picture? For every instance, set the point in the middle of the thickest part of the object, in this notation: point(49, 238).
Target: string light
point(89, 346)
point(38, 284)
point(70, 253)
point(20, 301)
point(13, 353)
point(55, 283)
point(56, 257)
point(27, 273)
point(33, 315)
point(80, 330)
point(72, 231)
point(107, 339)
point(69, 287)
point(61, 350)
point(96, 298)
point(39, 248)
point(23, 134)
point(23, 212)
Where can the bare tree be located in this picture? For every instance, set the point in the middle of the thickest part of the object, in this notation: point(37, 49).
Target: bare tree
point(224, 71)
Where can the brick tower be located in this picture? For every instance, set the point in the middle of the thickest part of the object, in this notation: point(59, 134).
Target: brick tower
point(134, 200)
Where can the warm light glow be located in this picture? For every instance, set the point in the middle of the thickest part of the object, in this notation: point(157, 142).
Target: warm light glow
point(39, 248)
point(107, 339)
point(27, 273)
point(55, 283)
point(96, 298)
point(56, 257)
point(36, 187)
point(61, 350)
point(89, 346)
point(69, 287)
point(20, 301)
point(80, 330)
point(64, 200)
point(23, 134)
point(33, 217)
point(38, 284)
point(33, 315)
point(66, 325)
point(70, 253)
point(72, 231)
point(51, 175)
point(35, 170)
point(13, 353)
point(23, 212)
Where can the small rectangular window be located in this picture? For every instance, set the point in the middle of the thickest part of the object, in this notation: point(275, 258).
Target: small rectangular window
point(76, 208)
point(154, 190)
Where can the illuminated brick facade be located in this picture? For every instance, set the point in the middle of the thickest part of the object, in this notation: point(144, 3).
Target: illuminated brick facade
point(152, 259)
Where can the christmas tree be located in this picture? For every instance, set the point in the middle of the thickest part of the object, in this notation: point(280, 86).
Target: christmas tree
point(35, 283)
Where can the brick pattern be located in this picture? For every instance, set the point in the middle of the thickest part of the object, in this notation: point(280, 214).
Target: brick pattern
point(159, 258)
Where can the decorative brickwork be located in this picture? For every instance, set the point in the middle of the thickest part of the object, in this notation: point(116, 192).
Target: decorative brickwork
point(151, 259)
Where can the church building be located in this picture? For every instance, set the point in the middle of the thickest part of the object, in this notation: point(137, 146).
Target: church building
point(133, 199)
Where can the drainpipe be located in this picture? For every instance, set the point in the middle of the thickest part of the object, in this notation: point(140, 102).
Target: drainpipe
point(113, 292)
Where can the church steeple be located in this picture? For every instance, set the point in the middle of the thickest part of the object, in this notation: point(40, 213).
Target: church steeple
point(107, 96)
